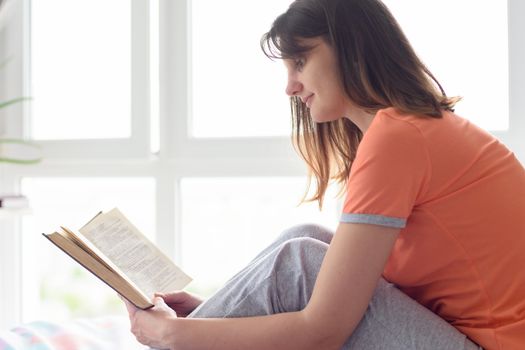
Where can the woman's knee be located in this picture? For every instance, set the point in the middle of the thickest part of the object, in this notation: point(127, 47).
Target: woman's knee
point(314, 231)
point(295, 268)
point(302, 255)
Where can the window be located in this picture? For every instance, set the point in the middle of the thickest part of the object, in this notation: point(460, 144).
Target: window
point(469, 58)
point(176, 117)
point(236, 91)
point(81, 69)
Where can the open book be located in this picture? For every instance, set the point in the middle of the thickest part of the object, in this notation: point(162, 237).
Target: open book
point(114, 250)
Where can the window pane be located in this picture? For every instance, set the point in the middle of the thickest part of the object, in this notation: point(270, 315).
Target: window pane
point(467, 56)
point(236, 90)
point(227, 221)
point(54, 286)
point(81, 69)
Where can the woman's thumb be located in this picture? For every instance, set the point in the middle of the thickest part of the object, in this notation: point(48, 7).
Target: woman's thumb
point(171, 297)
point(158, 301)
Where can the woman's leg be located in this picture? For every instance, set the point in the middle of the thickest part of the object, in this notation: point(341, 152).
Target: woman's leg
point(282, 277)
point(316, 232)
point(250, 292)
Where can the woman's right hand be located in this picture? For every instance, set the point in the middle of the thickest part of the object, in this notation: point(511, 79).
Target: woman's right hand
point(182, 302)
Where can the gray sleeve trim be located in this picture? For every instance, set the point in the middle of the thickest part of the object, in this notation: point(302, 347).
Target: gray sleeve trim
point(374, 220)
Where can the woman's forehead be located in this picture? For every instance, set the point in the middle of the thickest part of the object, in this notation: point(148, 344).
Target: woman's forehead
point(305, 46)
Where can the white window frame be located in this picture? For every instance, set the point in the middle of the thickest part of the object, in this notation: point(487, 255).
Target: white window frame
point(137, 146)
point(514, 137)
point(180, 156)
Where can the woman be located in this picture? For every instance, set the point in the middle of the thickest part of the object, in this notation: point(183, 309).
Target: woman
point(429, 250)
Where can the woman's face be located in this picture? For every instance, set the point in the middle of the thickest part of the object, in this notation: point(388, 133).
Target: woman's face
point(316, 80)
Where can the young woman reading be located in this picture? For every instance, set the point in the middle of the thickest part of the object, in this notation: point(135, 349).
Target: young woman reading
point(429, 250)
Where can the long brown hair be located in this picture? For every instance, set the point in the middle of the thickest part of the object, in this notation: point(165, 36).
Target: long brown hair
point(378, 68)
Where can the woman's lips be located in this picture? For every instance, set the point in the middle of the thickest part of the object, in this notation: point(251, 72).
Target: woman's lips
point(308, 101)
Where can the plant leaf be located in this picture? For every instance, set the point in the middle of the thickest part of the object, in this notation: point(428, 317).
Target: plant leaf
point(34, 149)
point(13, 101)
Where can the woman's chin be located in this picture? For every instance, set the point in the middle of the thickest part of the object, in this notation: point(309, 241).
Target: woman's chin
point(322, 118)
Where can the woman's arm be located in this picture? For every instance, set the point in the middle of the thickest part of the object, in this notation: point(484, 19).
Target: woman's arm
point(345, 284)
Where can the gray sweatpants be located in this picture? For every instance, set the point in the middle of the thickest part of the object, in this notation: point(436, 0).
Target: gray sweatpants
point(281, 279)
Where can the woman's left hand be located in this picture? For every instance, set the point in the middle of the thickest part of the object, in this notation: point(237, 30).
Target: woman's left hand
point(152, 327)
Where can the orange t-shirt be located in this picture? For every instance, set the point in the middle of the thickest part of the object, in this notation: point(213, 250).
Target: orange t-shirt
point(458, 196)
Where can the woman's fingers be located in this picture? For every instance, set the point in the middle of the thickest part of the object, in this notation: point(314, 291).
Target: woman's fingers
point(173, 297)
point(132, 309)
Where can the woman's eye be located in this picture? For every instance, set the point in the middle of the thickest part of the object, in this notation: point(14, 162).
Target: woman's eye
point(299, 63)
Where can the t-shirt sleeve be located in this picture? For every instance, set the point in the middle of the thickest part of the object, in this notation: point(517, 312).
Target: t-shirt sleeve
point(389, 175)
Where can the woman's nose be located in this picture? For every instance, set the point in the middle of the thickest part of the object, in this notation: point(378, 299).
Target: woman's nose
point(293, 87)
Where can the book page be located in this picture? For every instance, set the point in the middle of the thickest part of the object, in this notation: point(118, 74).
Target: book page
point(134, 254)
point(87, 246)
point(93, 264)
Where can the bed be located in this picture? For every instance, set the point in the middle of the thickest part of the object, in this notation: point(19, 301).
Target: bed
point(103, 333)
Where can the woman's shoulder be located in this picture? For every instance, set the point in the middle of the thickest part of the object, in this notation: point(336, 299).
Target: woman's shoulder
point(449, 125)
point(391, 122)
point(392, 114)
